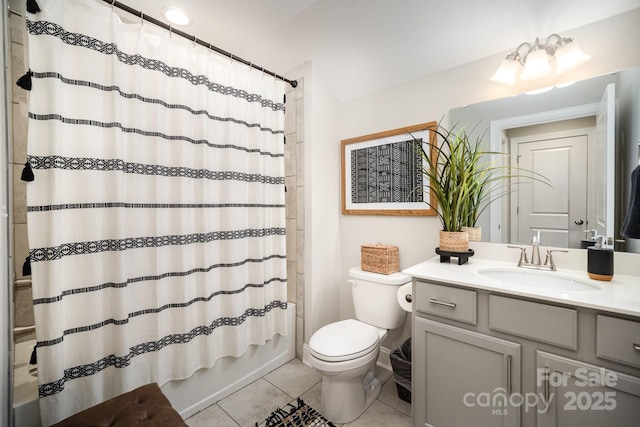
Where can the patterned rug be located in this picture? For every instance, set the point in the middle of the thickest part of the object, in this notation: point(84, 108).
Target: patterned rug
point(296, 415)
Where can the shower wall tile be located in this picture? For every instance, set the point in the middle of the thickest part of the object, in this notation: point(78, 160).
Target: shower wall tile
point(17, 26)
point(20, 124)
point(291, 240)
point(300, 208)
point(19, 196)
point(291, 282)
point(23, 306)
point(290, 114)
point(299, 295)
point(300, 163)
point(300, 250)
point(290, 157)
point(18, 69)
point(16, 35)
point(299, 337)
point(299, 120)
point(290, 197)
point(20, 248)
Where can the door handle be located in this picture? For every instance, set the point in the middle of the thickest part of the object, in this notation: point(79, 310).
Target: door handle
point(578, 222)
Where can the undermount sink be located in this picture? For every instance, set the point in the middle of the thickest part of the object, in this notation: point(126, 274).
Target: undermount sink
point(538, 279)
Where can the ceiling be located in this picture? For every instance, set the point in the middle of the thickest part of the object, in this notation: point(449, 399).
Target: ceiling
point(362, 46)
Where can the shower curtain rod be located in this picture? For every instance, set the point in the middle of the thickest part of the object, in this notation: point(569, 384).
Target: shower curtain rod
point(189, 37)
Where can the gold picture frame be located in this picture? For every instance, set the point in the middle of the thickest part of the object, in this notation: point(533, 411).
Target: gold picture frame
point(382, 173)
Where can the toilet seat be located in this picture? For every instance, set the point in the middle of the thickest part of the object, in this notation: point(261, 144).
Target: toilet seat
point(345, 340)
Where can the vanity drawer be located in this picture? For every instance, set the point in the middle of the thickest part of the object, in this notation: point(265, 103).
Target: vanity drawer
point(539, 322)
point(618, 340)
point(445, 301)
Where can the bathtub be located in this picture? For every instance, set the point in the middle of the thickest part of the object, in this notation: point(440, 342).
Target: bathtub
point(207, 386)
point(204, 388)
point(26, 411)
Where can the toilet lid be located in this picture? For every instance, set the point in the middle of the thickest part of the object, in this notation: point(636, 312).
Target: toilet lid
point(344, 340)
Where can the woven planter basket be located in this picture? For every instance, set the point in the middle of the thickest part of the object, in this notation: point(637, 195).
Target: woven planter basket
point(454, 241)
point(475, 233)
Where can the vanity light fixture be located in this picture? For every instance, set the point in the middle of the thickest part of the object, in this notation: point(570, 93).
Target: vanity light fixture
point(536, 59)
point(177, 16)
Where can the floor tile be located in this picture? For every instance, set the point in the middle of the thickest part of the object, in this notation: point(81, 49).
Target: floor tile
point(254, 402)
point(294, 378)
point(211, 416)
point(381, 415)
point(313, 397)
point(389, 395)
point(278, 388)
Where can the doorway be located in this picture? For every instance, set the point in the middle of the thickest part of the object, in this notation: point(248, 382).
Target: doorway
point(499, 215)
point(558, 211)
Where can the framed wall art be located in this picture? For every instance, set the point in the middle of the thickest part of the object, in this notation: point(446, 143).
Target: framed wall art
point(382, 173)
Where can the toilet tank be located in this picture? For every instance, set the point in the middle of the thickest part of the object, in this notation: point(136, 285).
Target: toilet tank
point(375, 297)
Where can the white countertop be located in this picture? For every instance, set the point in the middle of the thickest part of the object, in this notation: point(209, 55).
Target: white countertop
point(620, 295)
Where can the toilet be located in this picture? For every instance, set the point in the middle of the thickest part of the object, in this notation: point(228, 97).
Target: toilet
point(345, 352)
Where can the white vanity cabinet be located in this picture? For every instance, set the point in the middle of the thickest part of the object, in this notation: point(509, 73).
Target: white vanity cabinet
point(485, 358)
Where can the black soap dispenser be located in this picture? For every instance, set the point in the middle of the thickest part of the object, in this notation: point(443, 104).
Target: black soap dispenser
point(600, 260)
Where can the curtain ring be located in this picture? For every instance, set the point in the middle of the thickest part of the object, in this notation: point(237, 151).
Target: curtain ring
point(141, 18)
point(112, 3)
point(194, 41)
point(170, 32)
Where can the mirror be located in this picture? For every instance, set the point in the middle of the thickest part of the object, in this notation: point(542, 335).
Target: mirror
point(558, 133)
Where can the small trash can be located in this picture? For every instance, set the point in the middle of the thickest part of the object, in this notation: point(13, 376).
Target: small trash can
point(401, 364)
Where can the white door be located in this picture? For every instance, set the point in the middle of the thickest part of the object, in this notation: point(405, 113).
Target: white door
point(558, 211)
point(602, 179)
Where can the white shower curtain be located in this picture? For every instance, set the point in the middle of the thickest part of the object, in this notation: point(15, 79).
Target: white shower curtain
point(156, 217)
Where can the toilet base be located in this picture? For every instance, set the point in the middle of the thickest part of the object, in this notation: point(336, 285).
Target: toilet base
point(344, 400)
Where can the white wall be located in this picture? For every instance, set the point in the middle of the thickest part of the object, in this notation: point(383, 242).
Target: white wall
point(429, 99)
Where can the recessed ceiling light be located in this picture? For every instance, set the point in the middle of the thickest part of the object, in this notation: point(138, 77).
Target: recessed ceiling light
point(177, 16)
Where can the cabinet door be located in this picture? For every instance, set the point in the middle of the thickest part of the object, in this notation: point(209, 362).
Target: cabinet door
point(463, 378)
point(580, 394)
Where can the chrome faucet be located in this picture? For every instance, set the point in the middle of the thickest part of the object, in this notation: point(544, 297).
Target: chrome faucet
point(535, 248)
point(536, 262)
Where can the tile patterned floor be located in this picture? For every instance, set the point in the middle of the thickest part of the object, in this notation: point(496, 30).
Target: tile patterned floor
point(283, 385)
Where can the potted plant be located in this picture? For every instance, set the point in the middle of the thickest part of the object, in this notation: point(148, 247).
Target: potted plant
point(461, 176)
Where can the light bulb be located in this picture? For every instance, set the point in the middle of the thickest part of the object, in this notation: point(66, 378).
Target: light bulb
point(506, 73)
point(536, 65)
point(569, 56)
